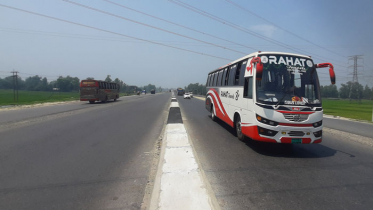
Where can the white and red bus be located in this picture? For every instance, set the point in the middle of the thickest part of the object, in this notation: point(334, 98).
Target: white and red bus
point(96, 90)
point(269, 96)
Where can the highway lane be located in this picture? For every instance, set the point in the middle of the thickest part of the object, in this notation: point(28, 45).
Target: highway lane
point(18, 114)
point(336, 174)
point(96, 158)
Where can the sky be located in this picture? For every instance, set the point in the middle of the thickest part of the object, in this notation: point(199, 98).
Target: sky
point(168, 44)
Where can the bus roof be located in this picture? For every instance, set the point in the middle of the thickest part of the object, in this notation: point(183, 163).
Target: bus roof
point(257, 54)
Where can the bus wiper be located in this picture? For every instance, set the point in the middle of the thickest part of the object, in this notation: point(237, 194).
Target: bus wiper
point(281, 100)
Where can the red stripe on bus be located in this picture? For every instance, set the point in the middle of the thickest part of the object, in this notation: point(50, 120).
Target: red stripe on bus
point(296, 125)
point(252, 132)
point(318, 141)
point(91, 99)
point(287, 140)
point(291, 112)
point(221, 114)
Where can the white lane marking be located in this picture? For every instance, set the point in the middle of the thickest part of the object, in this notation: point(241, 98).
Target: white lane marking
point(182, 187)
point(174, 104)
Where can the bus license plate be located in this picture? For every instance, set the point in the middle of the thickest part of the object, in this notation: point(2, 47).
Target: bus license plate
point(296, 141)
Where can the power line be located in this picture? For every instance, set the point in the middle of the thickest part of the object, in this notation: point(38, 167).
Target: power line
point(157, 28)
point(111, 32)
point(185, 27)
point(251, 12)
point(245, 30)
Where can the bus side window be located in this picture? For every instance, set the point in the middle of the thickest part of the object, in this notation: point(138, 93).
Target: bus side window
point(248, 88)
point(227, 76)
point(208, 80)
point(242, 73)
point(218, 83)
point(232, 75)
point(237, 74)
point(223, 77)
point(215, 79)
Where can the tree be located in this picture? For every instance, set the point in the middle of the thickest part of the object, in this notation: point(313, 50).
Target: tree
point(117, 80)
point(329, 91)
point(108, 79)
point(344, 90)
point(68, 83)
point(367, 93)
point(6, 83)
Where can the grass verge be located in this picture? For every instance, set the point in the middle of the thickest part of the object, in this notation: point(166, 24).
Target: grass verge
point(349, 109)
point(34, 97)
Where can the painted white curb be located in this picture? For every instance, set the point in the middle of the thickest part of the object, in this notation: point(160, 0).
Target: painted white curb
point(181, 184)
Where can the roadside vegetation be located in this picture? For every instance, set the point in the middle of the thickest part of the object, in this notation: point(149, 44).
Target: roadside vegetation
point(360, 110)
point(35, 97)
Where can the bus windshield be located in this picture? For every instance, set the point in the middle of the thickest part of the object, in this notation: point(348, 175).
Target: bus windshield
point(288, 80)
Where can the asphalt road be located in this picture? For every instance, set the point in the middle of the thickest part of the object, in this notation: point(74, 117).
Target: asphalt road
point(336, 174)
point(80, 156)
point(359, 128)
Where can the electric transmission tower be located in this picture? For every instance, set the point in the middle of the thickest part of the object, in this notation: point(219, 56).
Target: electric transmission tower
point(355, 79)
point(355, 66)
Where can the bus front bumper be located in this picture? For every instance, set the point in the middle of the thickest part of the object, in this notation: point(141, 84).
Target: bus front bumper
point(283, 134)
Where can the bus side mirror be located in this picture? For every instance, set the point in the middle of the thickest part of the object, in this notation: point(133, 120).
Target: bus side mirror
point(259, 71)
point(259, 67)
point(331, 70)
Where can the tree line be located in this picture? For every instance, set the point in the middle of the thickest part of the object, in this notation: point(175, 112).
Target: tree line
point(196, 88)
point(66, 84)
point(352, 90)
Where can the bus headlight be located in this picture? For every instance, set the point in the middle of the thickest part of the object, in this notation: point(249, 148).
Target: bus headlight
point(266, 121)
point(266, 132)
point(317, 124)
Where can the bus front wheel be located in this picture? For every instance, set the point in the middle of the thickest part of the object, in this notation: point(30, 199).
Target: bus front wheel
point(213, 116)
point(240, 135)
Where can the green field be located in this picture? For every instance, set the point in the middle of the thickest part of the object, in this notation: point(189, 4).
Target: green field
point(34, 97)
point(345, 108)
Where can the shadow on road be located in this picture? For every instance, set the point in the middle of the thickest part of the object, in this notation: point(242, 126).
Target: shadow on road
point(97, 103)
point(284, 150)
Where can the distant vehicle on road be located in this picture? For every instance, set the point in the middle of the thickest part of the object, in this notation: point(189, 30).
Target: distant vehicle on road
point(96, 90)
point(270, 97)
point(180, 91)
point(191, 94)
point(187, 96)
point(144, 92)
point(152, 91)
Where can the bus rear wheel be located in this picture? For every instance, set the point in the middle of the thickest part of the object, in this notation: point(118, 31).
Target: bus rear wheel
point(240, 135)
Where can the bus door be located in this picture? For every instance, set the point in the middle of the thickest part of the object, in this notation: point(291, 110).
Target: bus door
point(248, 94)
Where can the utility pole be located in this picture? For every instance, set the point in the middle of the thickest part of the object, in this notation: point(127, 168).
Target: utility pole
point(355, 66)
point(15, 85)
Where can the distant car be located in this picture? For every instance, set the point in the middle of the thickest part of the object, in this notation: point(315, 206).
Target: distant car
point(187, 95)
point(191, 94)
